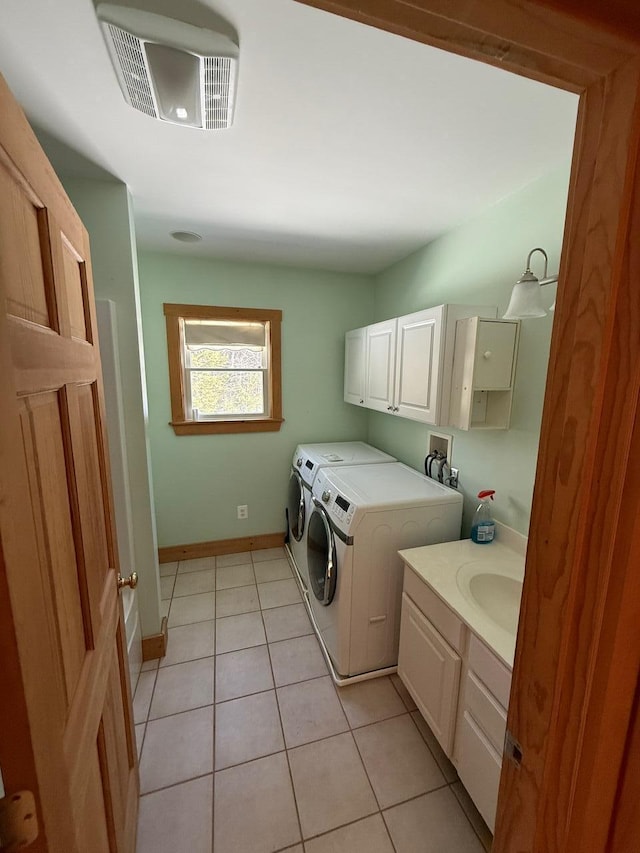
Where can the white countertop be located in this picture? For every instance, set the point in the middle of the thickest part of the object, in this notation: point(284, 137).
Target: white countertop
point(438, 566)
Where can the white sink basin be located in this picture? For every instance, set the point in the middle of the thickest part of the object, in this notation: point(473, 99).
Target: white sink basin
point(494, 589)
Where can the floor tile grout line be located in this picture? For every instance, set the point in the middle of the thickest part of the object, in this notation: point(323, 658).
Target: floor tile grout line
point(293, 787)
point(175, 784)
point(387, 827)
point(366, 772)
point(410, 710)
point(349, 823)
point(153, 690)
point(435, 757)
point(463, 810)
point(184, 710)
point(437, 763)
point(191, 660)
point(213, 715)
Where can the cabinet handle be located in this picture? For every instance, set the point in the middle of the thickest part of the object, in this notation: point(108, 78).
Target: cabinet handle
point(361, 402)
point(389, 408)
point(487, 354)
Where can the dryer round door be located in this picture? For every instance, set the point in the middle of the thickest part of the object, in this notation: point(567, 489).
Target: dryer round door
point(296, 506)
point(321, 556)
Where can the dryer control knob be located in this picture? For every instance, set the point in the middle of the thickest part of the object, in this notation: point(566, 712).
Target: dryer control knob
point(299, 461)
point(326, 497)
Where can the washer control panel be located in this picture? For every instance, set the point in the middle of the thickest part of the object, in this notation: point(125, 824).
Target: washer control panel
point(340, 509)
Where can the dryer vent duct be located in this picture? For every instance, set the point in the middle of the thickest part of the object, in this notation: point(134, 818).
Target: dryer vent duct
point(171, 70)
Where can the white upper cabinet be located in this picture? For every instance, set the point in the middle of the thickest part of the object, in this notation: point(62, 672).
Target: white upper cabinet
point(483, 373)
point(380, 366)
point(418, 353)
point(355, 344)
point(405, 364)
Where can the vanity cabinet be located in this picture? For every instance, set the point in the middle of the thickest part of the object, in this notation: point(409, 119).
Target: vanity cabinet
point(481, 727)
point(460, 687)
point(405, 364)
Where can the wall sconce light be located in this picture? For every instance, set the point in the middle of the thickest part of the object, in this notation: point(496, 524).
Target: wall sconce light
point(526, 296)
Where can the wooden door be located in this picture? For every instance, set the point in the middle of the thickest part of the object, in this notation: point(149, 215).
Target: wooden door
point(66, 730)
point(577, 662)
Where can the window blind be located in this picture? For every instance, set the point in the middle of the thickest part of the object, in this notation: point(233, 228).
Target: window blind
point(201, 333)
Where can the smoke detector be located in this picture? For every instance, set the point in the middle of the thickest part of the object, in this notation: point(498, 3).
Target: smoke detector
point(171, 70)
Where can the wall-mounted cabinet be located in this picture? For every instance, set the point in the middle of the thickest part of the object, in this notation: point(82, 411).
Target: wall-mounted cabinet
point(484, 365)
point(405, 364)
point(355, 343)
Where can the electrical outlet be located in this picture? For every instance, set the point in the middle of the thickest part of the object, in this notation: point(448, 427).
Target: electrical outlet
point(243, 511)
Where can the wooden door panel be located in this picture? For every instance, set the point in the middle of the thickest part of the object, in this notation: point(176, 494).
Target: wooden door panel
point(89, 482)
point(43, 360)
point(27, 274)
point(75, 287)
point(120, 751)
point(92, 835)
point(42, 418)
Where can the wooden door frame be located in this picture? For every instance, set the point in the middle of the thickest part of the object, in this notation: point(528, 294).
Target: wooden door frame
point(578, 650)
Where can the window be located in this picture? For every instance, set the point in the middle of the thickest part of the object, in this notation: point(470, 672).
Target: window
point(224, 369)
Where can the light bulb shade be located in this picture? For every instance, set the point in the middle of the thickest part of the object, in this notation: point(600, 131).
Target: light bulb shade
point(526, 301)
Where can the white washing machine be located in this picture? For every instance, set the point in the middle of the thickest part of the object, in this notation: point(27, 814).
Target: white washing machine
point(308, 459)
point(361, 517)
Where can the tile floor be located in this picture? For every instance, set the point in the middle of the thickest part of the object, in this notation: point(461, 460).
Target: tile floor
point(246, 745)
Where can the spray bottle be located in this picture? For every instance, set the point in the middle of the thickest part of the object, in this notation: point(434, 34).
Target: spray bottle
point(483, 528)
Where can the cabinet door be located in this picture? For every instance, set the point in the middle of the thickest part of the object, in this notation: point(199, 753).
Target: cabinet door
point(418, 365)
point(354, 366)
point(380, 364)
point(494, 355)
point(479, 767)
point(430, 669)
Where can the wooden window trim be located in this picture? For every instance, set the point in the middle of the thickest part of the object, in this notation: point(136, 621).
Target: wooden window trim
point(179, 422)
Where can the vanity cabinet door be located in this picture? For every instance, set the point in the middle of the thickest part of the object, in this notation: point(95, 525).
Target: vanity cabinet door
point(479, 767)
point(430, 669)
point(355, 344)
point(482, 724)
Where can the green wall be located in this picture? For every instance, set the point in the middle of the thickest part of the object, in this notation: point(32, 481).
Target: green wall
point(200, 480)
point(105, 209)
point(477, 263)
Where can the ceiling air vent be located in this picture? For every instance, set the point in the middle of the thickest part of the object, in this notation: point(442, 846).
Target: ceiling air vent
point(171, 70)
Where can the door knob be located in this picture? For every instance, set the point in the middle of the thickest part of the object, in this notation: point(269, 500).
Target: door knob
point(131, 581)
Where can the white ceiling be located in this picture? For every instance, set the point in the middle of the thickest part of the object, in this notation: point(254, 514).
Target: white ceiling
point(350, 148)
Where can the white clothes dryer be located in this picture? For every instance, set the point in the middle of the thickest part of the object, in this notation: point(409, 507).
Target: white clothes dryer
point(308, 459)
point(361, 517)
